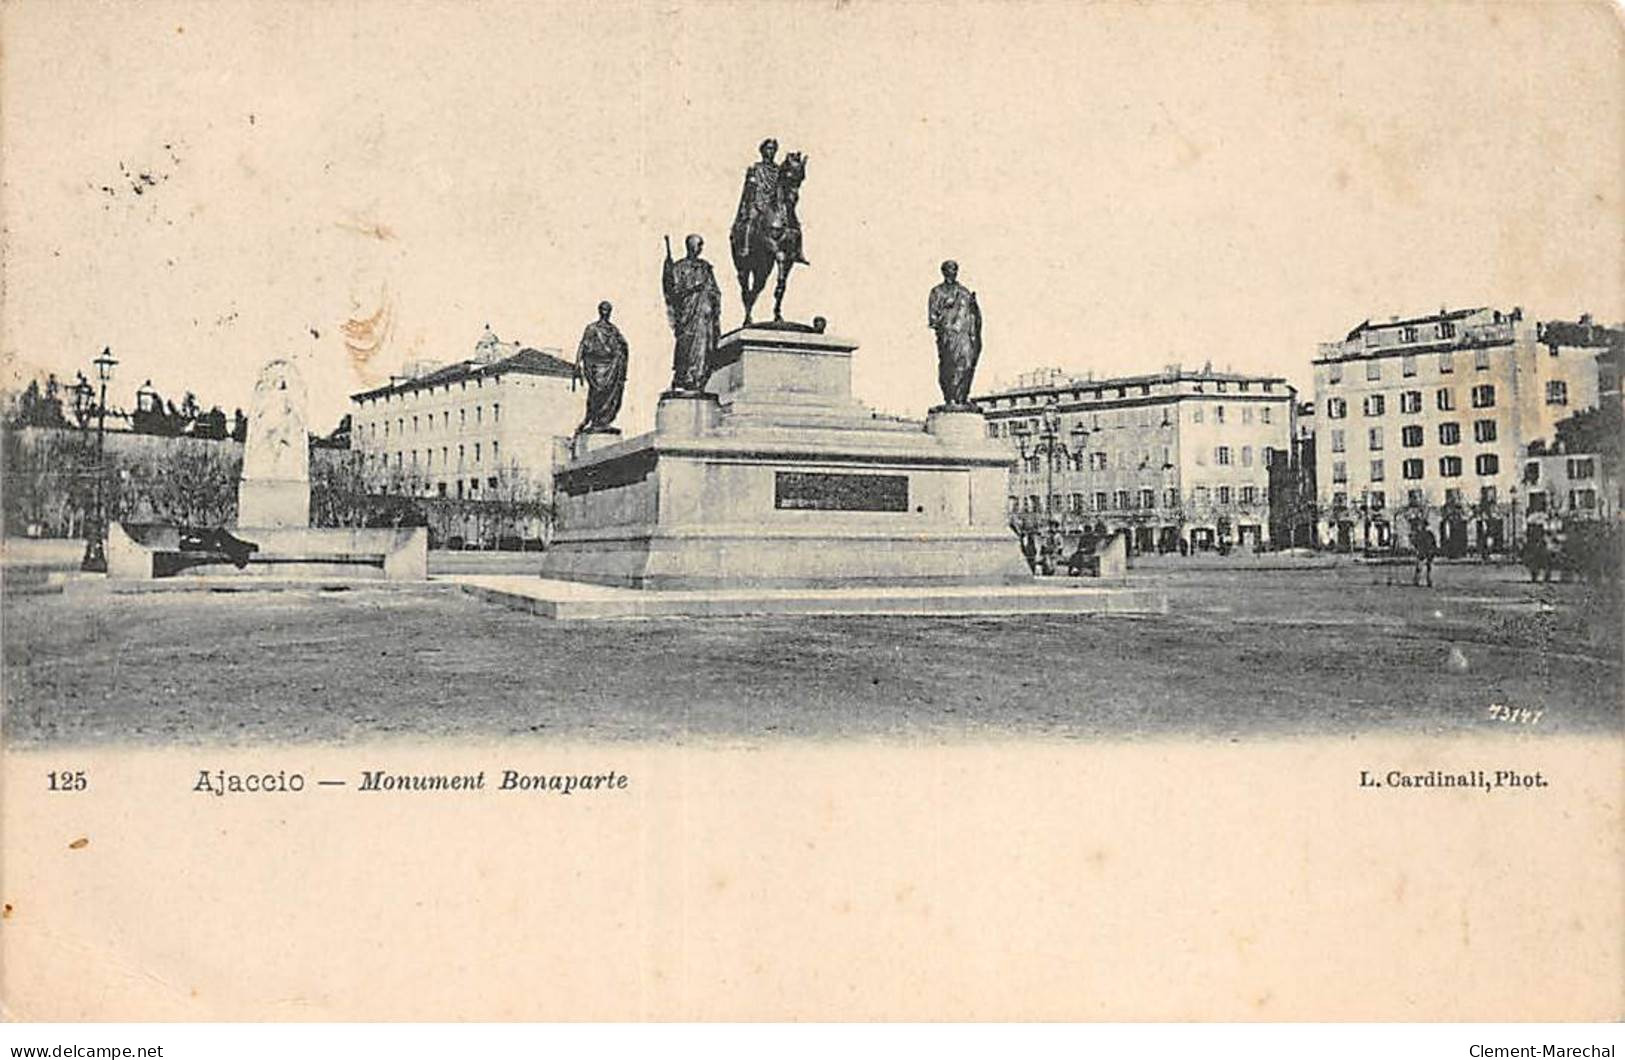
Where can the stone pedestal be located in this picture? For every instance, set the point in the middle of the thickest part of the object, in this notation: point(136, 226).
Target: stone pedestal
point(281, 504)
point(777, 477)
point(681, 414)
point(590, 441)
point(956, 425)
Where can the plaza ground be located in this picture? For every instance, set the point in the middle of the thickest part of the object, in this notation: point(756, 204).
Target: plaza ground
point(1243, 653)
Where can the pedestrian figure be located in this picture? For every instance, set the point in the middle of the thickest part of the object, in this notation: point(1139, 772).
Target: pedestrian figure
point(1536, 555)
point(1426, 546)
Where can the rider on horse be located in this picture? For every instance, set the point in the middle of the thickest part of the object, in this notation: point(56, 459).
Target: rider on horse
point(766, 230)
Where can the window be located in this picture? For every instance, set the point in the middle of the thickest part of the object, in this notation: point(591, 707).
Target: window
point(1200, 495)
point(1373, 371)
point(386, 428)
point(462, 418)
point(1447, 363)
point(1340, 500)
point(494, 452)
point(491, 483)
point(1487, 464)
point(1246, 414)
point(1054, 503)
point(1412, 469)
point(1196, 414)
point(440, 488)
point(1218, 414)
point(1407, 365)
point(1224, 494)
point(1450, 466)
point(1410, 401)
point(1246, 456)
point(1375, 405)
point(1452, 497)
point(1171, 498)
point(1413, 498)
point(1075, 502)
point(1584, 500)
point(1483, 430)
point(1537, 501)
point(1221, 456)
point(414, 425)
point(1100, 502)
point(1481, 358)
point(1376, 471)
point(1015, 503)
point(459, 456)
point(1484, 396)
point(1410, 437)
point(1120, 499)
point(1336, 408)
point(1374, 438)
point(1340, 471)
point(496, 412)
point(1407, 334)
point(1449, 434)
point(1249, 495)
point(1557, 392)
point(1379, 500)
point(1446, 329)
point(476, 452)
point(479, 413)
point(1148, 498)
point(1264, 414)
point(1581, 467)
point(1097, 461)
point(1531, 472)
point(1445, 398)
point(1486, 495)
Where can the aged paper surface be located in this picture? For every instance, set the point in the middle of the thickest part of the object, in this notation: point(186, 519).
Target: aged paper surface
point(203, 187)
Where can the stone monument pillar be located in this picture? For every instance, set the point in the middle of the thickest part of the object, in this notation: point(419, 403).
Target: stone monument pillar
point(275, 488)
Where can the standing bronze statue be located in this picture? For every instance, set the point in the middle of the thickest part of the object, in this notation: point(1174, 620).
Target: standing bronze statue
point(766, 232)
point(601, 364)
point(957, 320)
point(694, 309)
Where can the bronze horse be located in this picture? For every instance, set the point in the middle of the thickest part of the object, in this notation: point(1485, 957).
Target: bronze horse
point(762, 241)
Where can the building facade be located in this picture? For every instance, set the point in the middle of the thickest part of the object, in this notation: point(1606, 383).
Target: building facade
point(1426, 419)
point(1180, 459)
point(486, 428)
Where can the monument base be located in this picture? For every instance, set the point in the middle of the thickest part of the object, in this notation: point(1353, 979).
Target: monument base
point(777, 478)
point(138, 552)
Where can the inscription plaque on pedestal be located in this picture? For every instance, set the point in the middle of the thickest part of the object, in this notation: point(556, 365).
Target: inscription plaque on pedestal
point(830, 492)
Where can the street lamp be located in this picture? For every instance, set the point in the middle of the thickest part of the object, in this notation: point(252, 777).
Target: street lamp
point(96, 527)
point(1513, 493)
point(83, 397)
point(1051, 447)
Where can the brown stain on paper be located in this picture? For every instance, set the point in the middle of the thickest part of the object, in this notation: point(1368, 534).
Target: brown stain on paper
point(79, 844)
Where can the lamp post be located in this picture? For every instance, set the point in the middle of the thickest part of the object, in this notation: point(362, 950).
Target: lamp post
point(1513, 535)
point(1050, 447)
point(96, 527)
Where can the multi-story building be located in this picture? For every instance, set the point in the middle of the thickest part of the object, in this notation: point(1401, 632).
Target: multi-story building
point(488, 427)
point(1427, 418)
point(1179, 458)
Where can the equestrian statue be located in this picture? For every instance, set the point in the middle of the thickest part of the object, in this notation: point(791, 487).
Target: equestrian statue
point(766, 232)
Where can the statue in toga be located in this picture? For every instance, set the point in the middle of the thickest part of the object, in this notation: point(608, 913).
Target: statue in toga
point(957, 320)
point(694, 308)
point(601, 364)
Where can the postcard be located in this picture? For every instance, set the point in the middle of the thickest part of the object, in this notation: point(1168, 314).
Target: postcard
point(824, 511)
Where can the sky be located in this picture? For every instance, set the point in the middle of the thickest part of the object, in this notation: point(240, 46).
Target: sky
point(360, 185)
